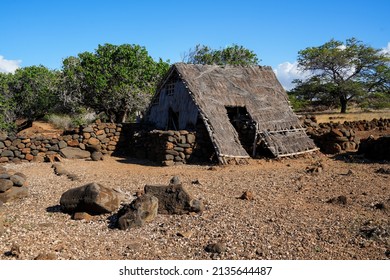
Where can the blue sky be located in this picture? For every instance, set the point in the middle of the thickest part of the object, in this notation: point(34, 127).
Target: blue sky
point(46, 32)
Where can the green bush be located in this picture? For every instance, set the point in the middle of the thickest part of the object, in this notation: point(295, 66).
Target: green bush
point(377, 100)
point(67, 122)
point(296, 103)
point(60, 121)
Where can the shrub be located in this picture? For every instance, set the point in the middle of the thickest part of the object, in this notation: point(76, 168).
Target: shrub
point(60, 121)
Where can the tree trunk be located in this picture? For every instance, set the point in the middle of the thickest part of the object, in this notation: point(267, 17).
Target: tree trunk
point(121, 116)
point(343, 103)
point(124, 116)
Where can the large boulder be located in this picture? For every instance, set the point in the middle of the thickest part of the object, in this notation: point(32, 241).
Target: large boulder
point(5, 184)
point(174, 198)
point(18, 179)
point(140, 211)
point(376, 149)
point(12, 185)
point(13, 194)
point(75, 153)
point(92, 198)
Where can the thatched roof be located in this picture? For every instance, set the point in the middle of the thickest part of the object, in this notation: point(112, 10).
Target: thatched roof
point(213, 88)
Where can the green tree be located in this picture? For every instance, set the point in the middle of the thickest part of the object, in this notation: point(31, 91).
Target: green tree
point(231, 55)
point(71, 85)
point(34, 92)
point(6, 106)
point(350, 70)
point(117, 80)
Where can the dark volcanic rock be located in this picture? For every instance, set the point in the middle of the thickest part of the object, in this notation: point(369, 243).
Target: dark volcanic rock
point(92, 198)
point(138, 212)
point(174, 199)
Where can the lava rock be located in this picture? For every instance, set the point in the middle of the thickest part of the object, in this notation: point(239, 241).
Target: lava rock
point(91, 198)
point(140, 211)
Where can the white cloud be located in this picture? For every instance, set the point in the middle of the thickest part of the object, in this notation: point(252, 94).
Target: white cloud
point(342, 47)
point(8, 66)
point(286, 72)
point(386, 50)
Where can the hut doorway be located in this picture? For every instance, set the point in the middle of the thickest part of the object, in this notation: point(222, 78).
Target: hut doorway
point(244, 125)
point(173, 120)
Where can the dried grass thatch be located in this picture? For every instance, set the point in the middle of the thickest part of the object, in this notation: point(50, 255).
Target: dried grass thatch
point(213, 88)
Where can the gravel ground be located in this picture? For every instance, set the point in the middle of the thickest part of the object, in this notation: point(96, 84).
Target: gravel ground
point(339, 211)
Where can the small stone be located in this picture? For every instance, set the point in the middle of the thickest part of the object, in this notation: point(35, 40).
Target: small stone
point(169, 146)
point(87, 135)
point(111, 148)
point(175, 180)
point(81, 216)
point(168, 163)
point(88, 129)
point(62, 144)
point(46, 256)
point(5, 176)
point(29, 157)
point(380, 206)
point(338, 200)
point(7, 153)
point(17, 180)
point(5, 185)
point(97, 156)
point(383, 171)
point(139, 193)
point(14, 251)
point(186, 234)
point(190, 138)
point(73, 143)
point(72, 177)
point(217, 248)
point(93, 142)
point(59, 169)
point(100, 132)
point(212, 168)
point(247, 195)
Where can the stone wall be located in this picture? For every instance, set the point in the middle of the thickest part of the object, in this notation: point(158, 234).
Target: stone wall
point(104, 138)
point(165, 147)
point(333, 138)
point(96, 140)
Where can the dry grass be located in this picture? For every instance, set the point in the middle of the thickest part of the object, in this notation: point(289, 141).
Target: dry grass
point(353, 115)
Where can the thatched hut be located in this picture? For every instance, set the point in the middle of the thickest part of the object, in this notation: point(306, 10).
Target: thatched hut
point(244, 109)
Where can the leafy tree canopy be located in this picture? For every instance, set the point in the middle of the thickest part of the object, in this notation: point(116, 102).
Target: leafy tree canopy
point(343, 71)
point(231, 55)
point(117, 80)
point(34, 91)
point(6, 104)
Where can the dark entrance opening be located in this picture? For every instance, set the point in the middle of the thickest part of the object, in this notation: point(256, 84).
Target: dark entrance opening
point(203, 151)
point(244, 125)
point(173, 120)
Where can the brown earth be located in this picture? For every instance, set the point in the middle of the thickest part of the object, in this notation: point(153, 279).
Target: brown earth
point(312, 207)
point(41, 128)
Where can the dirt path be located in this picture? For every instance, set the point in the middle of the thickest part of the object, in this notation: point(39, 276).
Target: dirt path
point(334, 213)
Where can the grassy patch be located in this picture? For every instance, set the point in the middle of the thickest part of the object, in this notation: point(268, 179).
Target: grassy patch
point(353, 115)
